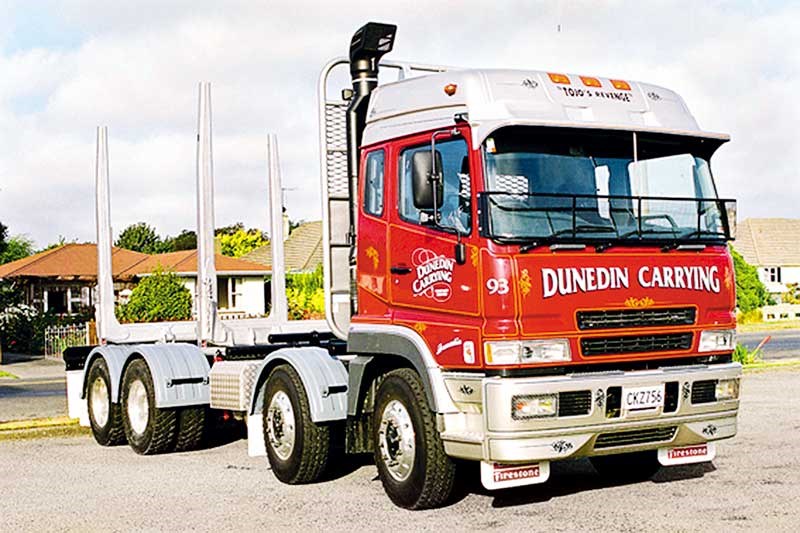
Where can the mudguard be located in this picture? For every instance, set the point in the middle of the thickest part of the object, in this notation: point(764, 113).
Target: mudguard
point(324, 378)
point(179, 371)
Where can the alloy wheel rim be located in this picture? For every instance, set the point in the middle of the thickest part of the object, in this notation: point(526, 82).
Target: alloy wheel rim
point(397, 440)
point(100, 403)
point(281, 425)
point(138, 407)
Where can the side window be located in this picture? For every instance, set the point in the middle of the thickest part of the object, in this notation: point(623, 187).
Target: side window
point(455, 212)
point(373, 188)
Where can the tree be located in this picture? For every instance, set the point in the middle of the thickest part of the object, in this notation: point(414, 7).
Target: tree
point(17, 247)
point(241, 242)
point(305, 295)
point(750, 292)
point(161, 296)
point(3, 235)
point(141, 237)
point(185, 240)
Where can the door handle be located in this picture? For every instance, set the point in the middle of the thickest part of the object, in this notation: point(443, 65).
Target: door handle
point(400, 269)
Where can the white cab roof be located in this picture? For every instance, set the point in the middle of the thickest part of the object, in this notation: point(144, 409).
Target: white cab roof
point(496, 98)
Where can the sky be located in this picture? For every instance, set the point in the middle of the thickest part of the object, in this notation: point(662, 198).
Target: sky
point(67, 67)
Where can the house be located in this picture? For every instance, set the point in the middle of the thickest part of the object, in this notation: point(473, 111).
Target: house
point(63, 279)
point(772, 245)
point(302, 249)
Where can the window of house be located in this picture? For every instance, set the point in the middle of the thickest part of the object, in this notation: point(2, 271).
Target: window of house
point(229, 292)
point(455, 210)
point(774, 274)
point(373, 188)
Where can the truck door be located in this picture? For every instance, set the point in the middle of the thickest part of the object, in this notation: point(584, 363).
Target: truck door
point(423, 271)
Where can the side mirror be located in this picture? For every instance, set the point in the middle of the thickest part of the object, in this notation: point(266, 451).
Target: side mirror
point(421, 182)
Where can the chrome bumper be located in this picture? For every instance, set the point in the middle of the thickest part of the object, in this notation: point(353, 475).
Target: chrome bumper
point(485, 430)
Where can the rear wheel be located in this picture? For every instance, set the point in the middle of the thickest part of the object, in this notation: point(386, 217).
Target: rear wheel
point(298, 449)
point(149, 430)
point(636, 466)
point(104, 415)
point(191, 428)
point(413, 467)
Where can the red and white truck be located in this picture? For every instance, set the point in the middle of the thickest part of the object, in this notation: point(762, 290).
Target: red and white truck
point(520, 267)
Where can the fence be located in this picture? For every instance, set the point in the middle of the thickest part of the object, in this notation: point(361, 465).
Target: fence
point(59, 338)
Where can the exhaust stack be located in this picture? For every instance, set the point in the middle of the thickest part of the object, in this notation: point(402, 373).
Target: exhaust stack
point(369, 44)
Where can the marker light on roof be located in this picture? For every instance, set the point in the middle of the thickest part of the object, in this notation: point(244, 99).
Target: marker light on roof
point(590, 82)
point(621, 85)
point(450, 89)
point(558, 78)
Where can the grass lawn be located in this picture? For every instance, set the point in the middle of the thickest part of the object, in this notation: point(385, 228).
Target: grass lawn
point(768, 326)
point(4, 374)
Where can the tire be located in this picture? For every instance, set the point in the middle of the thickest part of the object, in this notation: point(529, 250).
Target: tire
point(298, 449)
point(425, 479)
point(149, 430)
point(191, 428)
point(105, 416)
point(636, 466)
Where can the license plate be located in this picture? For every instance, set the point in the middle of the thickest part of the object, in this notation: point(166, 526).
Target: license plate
point(642, 398)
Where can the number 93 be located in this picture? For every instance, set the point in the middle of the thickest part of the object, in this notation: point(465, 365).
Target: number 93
point(497, 286)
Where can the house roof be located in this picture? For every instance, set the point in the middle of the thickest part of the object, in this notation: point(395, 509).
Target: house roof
point(185, 262)
point(70, 261)
point(769, 241)
point(79, 262)
point(303, 249)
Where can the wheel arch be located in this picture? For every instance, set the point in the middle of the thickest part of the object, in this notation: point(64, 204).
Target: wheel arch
point(382, 348)
point(179, 371)
point(323, 376)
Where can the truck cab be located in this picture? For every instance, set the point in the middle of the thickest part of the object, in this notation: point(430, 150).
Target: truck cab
point(549, 253)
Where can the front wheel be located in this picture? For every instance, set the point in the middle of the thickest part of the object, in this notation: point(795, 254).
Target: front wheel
point(413, 467)
point(297, 448)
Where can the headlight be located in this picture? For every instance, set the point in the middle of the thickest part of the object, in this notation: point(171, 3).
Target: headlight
point(717, 340)
point(727, 389)
point(534, 406)
point(525, 352)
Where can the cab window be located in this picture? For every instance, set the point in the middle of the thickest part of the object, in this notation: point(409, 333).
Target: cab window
point(373, 187)
point(455, 212)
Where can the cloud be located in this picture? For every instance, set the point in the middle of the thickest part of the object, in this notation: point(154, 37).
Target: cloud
point(136, 66)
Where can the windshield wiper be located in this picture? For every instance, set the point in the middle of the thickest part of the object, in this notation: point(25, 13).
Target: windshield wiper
point(582, 228)
point(646, 231)
point(690, 234)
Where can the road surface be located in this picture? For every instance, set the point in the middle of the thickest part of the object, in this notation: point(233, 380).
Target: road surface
point(74, 484)
point(783, 344)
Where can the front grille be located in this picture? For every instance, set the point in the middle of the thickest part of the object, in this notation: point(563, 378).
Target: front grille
point(636, 344)
point(574, 403)
point(704, 391)
point(635, 318)
point(637, 436)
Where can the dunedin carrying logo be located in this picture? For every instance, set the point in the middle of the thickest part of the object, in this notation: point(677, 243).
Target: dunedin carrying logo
point(434, 275)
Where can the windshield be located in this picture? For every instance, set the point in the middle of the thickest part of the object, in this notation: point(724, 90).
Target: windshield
point(568, 184)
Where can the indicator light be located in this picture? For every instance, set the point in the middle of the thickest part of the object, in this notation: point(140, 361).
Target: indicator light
point(590, 82)
point(450, 89)
point(558, 78)
point(621, 85)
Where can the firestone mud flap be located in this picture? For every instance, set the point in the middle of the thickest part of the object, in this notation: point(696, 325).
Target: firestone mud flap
point(496, 476)
point(684, 455)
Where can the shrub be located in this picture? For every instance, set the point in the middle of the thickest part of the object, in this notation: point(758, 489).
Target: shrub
point(750, 292)
point(160, 296)
point(744, 356)
point(752, 316)
point(305, 295)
